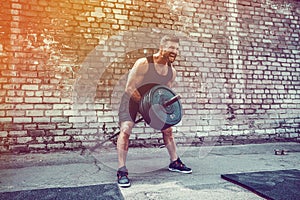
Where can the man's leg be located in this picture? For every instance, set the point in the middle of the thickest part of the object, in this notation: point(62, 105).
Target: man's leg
point(170, 143)
point(123, 142)
point(122, 149)
point(176, 164)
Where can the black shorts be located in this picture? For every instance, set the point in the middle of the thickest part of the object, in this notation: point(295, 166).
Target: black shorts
point(128, 109)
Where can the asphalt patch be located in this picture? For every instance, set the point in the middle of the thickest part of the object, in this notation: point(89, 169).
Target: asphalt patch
point(92, 192)
point(273, 185)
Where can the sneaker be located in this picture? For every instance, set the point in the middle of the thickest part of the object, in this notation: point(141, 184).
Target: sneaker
point(178, 166)
point(123, 180)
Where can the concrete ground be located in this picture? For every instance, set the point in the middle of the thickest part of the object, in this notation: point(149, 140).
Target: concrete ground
point(148, 170)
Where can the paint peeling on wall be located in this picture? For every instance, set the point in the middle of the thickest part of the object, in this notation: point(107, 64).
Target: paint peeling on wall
point(280, 6)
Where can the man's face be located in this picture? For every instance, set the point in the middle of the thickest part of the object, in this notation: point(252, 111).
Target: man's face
point(170, 51)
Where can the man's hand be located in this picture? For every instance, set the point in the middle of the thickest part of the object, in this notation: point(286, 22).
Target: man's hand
point(136, 96)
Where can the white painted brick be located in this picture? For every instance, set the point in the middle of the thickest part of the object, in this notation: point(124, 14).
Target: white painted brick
point(17, 133)
point(22, 119)
point(51, 100)
point(23, 140)
point(53, 112)
point(64, 125)
point(89, 131)
point(30, 87)
point(3, 133)
point(61, 138)
point(46, 126)
point(76, 119)
point(33, 100)
point(6, 119)
point(55, 146)
point(61, 106)
point(41, 119)
point(35, 113)
point(59, 119)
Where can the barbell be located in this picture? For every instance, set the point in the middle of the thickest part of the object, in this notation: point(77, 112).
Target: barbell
point(160, 107)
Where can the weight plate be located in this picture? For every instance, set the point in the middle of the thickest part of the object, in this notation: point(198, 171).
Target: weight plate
point(153, 111)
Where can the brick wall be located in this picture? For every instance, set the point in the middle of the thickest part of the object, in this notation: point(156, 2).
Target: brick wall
point(63, 66)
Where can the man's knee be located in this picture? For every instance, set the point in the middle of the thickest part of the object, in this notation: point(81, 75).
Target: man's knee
point(168, 132)
point(126, 128)
point(126, 131)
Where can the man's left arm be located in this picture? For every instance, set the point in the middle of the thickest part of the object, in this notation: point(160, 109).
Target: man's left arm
point(172, 81)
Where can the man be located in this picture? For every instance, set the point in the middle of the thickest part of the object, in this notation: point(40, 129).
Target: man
point(146, 72)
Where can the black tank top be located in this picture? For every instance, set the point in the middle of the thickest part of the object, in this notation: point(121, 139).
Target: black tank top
point(152, 78)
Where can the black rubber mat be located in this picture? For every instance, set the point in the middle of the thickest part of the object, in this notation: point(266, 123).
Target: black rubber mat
point(93, 192)
point(276, 185)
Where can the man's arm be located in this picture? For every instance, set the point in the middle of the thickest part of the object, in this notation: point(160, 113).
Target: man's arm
point(135, 77)
point(172, 81)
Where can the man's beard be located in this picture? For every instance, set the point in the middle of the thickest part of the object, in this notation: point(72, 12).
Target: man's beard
point(170, 57)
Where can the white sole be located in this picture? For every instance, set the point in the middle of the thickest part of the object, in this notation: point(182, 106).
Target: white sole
point(124, 185)
point(176, 170)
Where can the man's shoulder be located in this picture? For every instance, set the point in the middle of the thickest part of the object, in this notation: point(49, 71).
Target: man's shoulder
point(142, 64)
point(142, 61)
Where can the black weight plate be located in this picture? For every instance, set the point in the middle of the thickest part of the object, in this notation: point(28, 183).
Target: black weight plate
point(158, 117)
point(171, 114)
point(153, 111)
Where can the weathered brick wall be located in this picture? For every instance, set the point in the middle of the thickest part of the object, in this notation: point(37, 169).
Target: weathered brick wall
point(63, 66)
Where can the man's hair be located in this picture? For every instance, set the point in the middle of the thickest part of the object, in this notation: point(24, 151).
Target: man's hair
point(167, 38)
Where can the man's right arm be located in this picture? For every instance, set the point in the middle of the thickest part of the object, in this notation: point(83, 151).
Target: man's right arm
point(135, 77)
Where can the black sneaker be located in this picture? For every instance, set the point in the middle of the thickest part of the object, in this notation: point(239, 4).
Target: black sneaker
point(178, 166)
point(123, 180)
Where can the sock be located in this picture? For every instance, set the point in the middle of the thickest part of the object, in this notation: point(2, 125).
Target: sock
point(123, 169)
point(174, 160)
